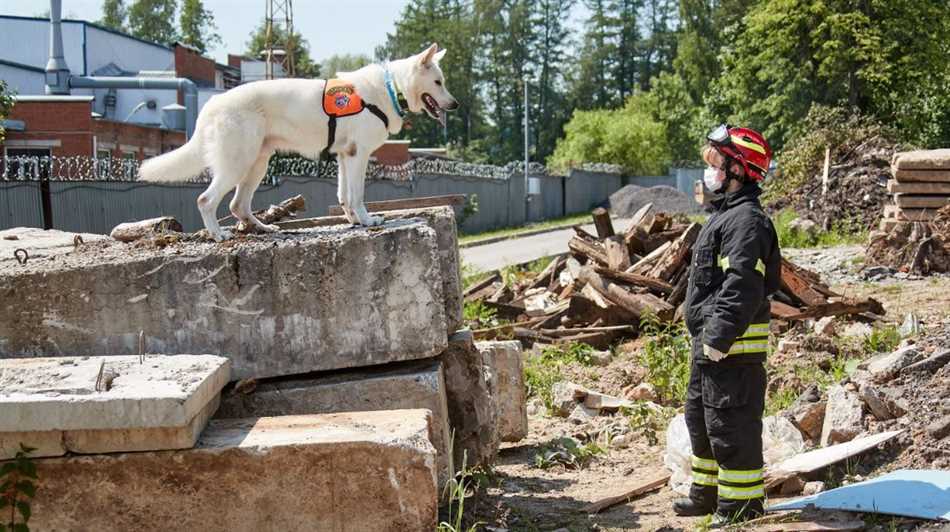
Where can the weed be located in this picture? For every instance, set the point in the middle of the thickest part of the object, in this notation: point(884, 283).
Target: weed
point(647, 421)
point(478, 315)
point(666, 356)
point(842, 232)
point(456, 490)
point(779, 400)
point(17, 489)
point(541, 372)
point(567, 452)
point(881, 340)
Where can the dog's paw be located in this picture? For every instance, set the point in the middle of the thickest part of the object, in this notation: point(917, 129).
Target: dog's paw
point(222, 235)
point(269, 228)
point(375, 220)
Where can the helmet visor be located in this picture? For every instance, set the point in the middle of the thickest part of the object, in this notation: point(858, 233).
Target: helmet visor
point(720, 135)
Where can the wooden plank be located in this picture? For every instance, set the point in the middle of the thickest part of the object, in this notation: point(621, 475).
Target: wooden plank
point(909, 215)
point(605, 227)
point(921, 202)
point(814, 460)
point(634, 279)
point(481, 285)
point(896, 187)
point(638, 230)
point(452, 200)
point(838, 308)
point(809, 526)
point(628, 494)
point(643, 265)
point(544, 278)
point(618, 255)
point(585, 249)
point(671, 261)
point(558, 333)
point(797, 285)
point(579, 231)
point(782, 311)
point(925, 176)
point(678, 295)
point(636, 304)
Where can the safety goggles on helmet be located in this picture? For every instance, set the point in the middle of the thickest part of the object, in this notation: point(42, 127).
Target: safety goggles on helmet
point(720, 135)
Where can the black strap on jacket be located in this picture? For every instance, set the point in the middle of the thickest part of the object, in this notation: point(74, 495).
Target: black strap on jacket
point(331, 125)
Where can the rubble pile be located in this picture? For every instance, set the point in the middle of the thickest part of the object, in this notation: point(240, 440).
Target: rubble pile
point(915, 231)
point(608, 282)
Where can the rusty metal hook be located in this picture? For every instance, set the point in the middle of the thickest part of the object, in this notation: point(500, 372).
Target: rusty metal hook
point(21, 255)
point(77, 241)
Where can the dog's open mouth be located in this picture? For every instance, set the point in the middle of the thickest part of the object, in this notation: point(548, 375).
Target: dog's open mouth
point(432, 107)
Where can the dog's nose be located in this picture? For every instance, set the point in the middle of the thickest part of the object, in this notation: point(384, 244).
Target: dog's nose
point(453, 106)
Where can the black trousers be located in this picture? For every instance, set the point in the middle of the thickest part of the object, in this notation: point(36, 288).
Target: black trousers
point(724, 406)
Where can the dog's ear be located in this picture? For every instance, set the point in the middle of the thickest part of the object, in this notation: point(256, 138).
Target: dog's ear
point(439, 55)
point(426, 57)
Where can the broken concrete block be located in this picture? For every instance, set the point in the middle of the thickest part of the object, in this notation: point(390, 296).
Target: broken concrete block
point(291, 473)
point(566, 395)
point(601, 358)
point(825, 326)
point(471, 410)
point(813, 488)
point(808, 418)
point(582, 414)
point(605, 403)
point(160, 402)
point(409, 385)
point(505, 372)
point(643, 392)
point(843, 416)
point(940, 428)
point(887, 366)
point(789, 346)
point(929, 364)
point(792, 486)
point(876, 402)
point(278, 304)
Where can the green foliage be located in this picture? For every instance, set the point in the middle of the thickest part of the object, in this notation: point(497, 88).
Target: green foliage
point(456, 490)
point(197, 26)
point(297, 45)
point(153, 20)
point(114, 14)
point(477, 315)
point(881, 340)
point(629, 137)
point(17, 489)
point(666, 356)
point(6, 105)
point(567, 452)
point(842, 232)
point(542, 372)
point(779, 400)
point(343, 63)
point(645, 420)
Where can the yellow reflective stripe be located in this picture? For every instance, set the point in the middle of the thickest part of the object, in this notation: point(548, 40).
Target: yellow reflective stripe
point(751, 145)
point(724, 263)
point(760, 266)
point(749, 346)
point(737, 475)
point(741, 494)
point(757, 329)
point(705, 463)
point(704, 479)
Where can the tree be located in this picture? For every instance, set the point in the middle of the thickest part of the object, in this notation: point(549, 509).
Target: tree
point(6, 104)
point(592, 77)
point(297, 46)
point(153, 20)
point(343, 63)
point(197, 26)
point(114, 14)
point(550, 100)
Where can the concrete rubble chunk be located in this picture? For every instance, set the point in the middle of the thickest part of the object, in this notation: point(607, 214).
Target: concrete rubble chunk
point(843, 416)
point(40, 244)
point(604, 403)
point(930, 364)
point(940, 428)
point(471, 410)
point(160, 402)
point(813, 488)
point(809, 418)
point(504, 370)
point(826, 326)
point(887, 366)
point(876, 402)
point(582, 414)
point(566, 395)
point(792, 486)
point(316, 299)
point(644, 391)
point(291, 473)
point(408, 385)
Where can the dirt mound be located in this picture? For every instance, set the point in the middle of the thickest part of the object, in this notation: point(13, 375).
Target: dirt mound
point(628, 200)
point(917, 247)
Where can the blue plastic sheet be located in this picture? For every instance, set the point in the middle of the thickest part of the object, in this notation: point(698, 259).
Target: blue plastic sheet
point(924, 494)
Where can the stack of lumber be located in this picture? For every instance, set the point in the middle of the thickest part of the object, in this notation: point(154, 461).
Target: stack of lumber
point(920, 187)
point(601, 289)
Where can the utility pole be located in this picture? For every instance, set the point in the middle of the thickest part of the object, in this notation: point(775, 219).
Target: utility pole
point(279, 37)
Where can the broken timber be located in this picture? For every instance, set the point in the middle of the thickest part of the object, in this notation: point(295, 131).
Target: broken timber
point(452, 200)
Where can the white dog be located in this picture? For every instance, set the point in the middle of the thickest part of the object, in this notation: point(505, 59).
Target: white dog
point(239, 130)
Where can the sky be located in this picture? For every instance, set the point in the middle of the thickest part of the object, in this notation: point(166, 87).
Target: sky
point(320, 21)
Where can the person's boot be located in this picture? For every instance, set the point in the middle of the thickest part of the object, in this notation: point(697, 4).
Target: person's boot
point(687, 507)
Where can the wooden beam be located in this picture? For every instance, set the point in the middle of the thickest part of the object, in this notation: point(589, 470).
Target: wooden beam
point(837, 308)
point(634, 279)
point(637, 304)
point(451, 200)
point(909, 215)
point(618, 255)
point(605, 227)
point(896, 187)
point(927, 176)
point(628, 494)
point(481, 285)
point(643, 265)
point(671, 261)
point(797, 285)
point(782, 311)
point(581, 247)
point(132, 231)
point(921, 202)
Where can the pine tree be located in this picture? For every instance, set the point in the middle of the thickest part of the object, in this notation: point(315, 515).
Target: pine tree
point(153, 20)
point(549, 104)
point(197, 26)
point(593, 76)
point(113, 14)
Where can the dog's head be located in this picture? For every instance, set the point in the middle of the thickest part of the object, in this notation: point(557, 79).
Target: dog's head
point(426, 89)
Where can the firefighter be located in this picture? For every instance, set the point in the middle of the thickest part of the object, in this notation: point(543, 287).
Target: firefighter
point(735, 268)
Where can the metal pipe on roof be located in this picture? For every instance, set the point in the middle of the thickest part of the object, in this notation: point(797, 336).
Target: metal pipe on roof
point(57, 73)
point(186, 86)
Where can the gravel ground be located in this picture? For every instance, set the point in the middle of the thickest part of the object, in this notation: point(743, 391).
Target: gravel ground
point(628, 200)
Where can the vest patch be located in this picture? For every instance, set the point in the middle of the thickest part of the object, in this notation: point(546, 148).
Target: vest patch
point(341, 99)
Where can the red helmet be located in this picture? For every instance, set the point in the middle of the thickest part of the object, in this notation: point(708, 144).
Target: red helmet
point(745, 145)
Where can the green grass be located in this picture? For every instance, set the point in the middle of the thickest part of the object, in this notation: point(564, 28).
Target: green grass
point(567, 452)
point(843, 232)
point(666, 356)
point(514, 231)
point(477, 315)
point(779, 400)
point(882, 339)
point(541, 372)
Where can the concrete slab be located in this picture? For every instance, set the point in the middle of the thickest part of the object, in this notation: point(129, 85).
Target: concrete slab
point(39, 243)
point(355, 471)
point(504, 370)
point(279, 304)
point(161, 403)
point(406, 385)
point(471, 410)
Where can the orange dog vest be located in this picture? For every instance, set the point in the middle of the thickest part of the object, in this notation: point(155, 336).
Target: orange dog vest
point(340, 99)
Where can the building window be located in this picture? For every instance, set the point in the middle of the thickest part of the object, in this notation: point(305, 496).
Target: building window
point(27, 163)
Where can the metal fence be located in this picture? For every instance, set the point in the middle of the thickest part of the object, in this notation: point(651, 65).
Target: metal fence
point(84, 194)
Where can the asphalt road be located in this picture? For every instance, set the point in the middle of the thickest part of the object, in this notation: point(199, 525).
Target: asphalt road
point(494, 256)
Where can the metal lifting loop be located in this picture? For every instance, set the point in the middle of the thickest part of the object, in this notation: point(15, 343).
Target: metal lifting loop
point(21, 255)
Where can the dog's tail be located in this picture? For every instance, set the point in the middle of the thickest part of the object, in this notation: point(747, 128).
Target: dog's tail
point(177, 165)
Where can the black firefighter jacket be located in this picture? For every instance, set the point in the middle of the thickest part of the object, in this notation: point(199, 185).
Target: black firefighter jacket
point(736, 266)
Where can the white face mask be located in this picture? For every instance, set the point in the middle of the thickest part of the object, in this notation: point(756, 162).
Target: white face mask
point(711, 179)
